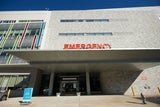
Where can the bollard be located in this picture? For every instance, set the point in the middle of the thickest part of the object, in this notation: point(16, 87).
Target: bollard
point(78, 93)
point(8, 94)
point(158, 89)
point(58, 94)
point(133, 92)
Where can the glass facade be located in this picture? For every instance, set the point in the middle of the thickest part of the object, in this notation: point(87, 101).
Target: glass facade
point(19, 35)
point(14, 81)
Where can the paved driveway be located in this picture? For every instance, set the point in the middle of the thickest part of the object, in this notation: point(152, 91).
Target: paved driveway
point(82, 101)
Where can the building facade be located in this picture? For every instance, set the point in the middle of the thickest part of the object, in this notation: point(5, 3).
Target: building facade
point(106, 51)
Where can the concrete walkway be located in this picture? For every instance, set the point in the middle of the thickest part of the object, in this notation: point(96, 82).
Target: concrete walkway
point(82, 101)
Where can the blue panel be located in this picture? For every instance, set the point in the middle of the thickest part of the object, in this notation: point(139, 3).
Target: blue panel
point(40, 34)
point(27, 95)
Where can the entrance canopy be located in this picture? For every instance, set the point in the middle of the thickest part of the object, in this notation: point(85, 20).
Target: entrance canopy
point(107, 59)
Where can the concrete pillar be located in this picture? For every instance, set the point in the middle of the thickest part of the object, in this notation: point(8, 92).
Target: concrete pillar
point(51, 84)
point(35, 81)
point(88, 81)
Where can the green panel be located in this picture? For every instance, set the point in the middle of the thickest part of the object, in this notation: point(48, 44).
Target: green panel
point(25, 80)
point(19, 81)
point(5, 82)
point(7, 35)
point(1, 77)
point(9, 59)
point(2, 81)
point(12, 81)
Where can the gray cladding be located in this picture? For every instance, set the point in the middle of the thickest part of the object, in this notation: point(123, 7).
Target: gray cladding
point(130, 28)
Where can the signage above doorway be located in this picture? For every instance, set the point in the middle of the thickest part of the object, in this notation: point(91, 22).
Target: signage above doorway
point(87, 46)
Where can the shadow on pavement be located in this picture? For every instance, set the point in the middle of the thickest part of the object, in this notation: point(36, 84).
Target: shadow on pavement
point(153, 99)
point(133, 102)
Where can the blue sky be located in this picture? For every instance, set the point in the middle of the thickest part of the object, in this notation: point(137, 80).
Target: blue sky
point(13, 5)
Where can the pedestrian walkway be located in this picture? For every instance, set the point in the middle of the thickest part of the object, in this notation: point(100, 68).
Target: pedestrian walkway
point(81, 101)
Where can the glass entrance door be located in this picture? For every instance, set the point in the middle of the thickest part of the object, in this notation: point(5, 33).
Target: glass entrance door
point(68, 86)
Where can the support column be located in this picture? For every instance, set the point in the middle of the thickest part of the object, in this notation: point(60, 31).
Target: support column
point(51, 84)
point(35, 80)
point(88, 81)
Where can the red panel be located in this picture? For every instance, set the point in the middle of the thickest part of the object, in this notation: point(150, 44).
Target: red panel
point(23, 35)
point(33, 42)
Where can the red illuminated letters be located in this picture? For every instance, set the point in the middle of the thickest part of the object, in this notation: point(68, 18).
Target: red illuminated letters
point(87, 46)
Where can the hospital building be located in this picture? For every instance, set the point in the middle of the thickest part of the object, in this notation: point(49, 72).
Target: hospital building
point(94, 52)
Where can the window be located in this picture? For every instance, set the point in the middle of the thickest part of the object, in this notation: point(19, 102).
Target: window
point(80, 20)
point(101, 20)
point(68, 20)
point(7, 21)
point(87, 34)
point(24, 21)
point(89, 20)
point(84, 20)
